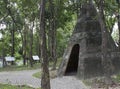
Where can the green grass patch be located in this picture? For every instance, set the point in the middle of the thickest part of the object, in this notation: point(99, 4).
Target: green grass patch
point(7, 86)
point(53, 74)
point(116, 78)
point(27, 67)
point(19, 68)
point(87, 82)
point(37, 75)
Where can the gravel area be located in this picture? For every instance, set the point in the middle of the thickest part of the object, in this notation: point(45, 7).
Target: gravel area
point(67, 82)
point(25, 78)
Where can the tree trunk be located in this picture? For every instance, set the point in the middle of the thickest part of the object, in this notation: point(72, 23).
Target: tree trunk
point(50, 41)
point(13, 24)
point(31, 45)
point(24, 45)
point(22, 49)
point(38, 46)
point(38, 42)
point(52, 34)
point(45, 81)
point(13, 42)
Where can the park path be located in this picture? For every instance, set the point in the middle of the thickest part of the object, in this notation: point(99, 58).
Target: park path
point(25, 78)
point(20, 78)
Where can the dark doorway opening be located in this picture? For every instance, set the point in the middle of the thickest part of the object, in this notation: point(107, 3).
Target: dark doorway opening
point(72, 65)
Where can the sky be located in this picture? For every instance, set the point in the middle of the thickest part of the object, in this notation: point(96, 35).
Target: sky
point(2, 26)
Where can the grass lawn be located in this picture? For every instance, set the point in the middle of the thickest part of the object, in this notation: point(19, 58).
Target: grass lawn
point(27, 67)
point(6, 86)
point(116, 78)
point(19, 68)
point(37, 75)
point(53, 74)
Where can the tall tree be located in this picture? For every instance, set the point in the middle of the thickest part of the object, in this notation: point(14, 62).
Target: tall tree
point(52, 33)
point(24, 44)
point(13, 41)
point(45, 81)
point(31, 45)
point(8, 8)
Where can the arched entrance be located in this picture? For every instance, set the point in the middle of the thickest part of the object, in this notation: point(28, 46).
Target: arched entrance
point(72, 65)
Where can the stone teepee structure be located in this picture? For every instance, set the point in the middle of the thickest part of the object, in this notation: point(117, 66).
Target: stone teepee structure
point(83, 54)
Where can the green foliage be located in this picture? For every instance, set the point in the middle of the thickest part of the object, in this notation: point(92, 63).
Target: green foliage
point(63, 35)
point(25, 12)
point(18, 56)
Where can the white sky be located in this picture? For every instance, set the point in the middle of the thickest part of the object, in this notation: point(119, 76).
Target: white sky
point(115, 28)
point(2, 26)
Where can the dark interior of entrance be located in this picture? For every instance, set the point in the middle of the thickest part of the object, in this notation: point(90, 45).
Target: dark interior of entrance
point(73, 61)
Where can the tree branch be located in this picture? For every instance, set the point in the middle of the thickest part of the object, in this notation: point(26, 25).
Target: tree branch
point(9, 11)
